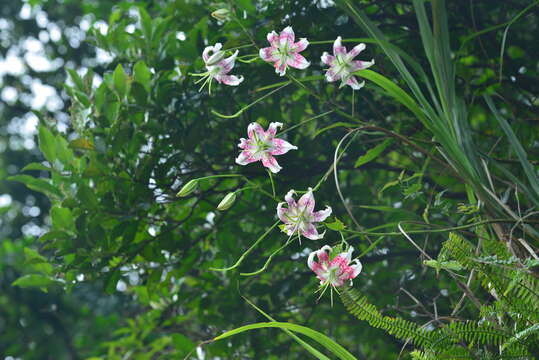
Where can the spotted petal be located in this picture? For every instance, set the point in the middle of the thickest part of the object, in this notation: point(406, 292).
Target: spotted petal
point(289, 198)
point(360, 65)
point(255, 128)
point(215, 56)
point(273, 38)
point(281, 146)
point(228, 63)
point(231, 80)
point(355, 51)
point(298, 61)
point(300, 45)
point(322, 215)
point(354, 84)
point(282, 212)
point(270, 162)
point(287, 37)
point(307, 201)
point(280, 67)
point(246, 157)
point(310, 232)
point(327, 58)
point(269, 54)
point(272, 129)
point(338, 49)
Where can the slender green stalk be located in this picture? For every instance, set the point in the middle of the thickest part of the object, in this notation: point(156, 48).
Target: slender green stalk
point(248, 251)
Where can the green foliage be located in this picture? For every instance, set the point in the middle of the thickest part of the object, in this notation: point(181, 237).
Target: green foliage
point(424, 168)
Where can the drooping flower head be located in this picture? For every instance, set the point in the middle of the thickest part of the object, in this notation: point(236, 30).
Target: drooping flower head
point(284, 52)
point(342, 65)
point(263, 146)
point(334, 266)
point(218, 67)
point(300, 217)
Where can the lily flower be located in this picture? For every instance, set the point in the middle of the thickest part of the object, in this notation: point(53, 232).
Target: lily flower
point(342, 66)
point(218, 67)
point(284, 52)
point(300, 217)
point(263, 146)
point(334, 268)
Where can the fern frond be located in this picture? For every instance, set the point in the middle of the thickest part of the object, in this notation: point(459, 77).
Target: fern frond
point(358, 305)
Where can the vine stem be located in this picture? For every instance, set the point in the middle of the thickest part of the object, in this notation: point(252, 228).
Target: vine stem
point(422, 231)
point(242, 257)
point(263, 268)
point(240, 111)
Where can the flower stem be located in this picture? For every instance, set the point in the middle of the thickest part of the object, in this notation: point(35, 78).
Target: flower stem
point(272, 184)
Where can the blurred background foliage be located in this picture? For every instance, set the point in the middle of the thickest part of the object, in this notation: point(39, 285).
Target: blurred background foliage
point(125, 263)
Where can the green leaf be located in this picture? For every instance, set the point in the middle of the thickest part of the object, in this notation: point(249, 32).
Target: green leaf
point(120, 81)
point(33, 257)
point(373, 153)
point(307, 347)
point(182, 343)
point(46, 143)
point(112, 281)
point(81, 144)
point(322, 339)
point(142, 75)
point(62, 218)
point(63, 152)
point(33, 280)
point(77, 80)
point(146, 25)
point(517, 147)
point(37, 184)
point(36, 166)
point(337, 225)
point(395, 92)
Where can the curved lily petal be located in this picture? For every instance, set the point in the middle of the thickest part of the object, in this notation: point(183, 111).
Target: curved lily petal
point(298, 62)
point(301, 45)
point(231, 80)
point(270, 162)
point(307, 201)
point(322, 214)
point(281, 147)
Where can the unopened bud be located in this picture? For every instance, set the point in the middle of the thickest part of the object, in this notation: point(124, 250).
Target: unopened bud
point(221, 14)
point(188, 188)
point(227, 202)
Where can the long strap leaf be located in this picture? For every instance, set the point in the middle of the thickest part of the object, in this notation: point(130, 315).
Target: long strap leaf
point(322, 339)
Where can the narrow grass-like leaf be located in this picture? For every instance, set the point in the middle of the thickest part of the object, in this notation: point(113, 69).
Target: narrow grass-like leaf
point(517, 147)
point(322, 339)
point(307, 347)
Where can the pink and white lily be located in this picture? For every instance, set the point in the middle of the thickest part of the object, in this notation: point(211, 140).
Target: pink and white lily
point(334, 269)
point(300, 217)
point(218, 67)
point(284, 52)
point(263, 146)
point(342, 66)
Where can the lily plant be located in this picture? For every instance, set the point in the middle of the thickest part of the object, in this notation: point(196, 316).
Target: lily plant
point(218, 66)
point(342, 64)
point(284, 51)
point(300, 217)
point(263, 146)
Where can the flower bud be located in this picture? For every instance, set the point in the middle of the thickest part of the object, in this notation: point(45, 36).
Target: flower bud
point(221, 14)
point(227, 202)
point(188, 188)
